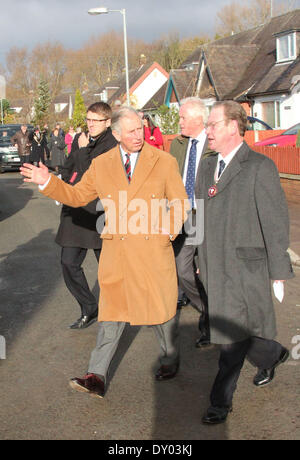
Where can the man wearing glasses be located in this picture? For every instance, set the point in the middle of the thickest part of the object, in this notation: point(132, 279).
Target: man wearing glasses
point(77, 230)
point(244, 248)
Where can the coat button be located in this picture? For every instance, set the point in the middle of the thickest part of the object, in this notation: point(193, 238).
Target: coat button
point(108, 196)
point(153, 196)
point(146, 237)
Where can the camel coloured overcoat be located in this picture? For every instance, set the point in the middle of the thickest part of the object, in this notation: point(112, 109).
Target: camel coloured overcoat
point(137, 272)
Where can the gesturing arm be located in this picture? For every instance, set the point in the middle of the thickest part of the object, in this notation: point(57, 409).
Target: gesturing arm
point(75, 196)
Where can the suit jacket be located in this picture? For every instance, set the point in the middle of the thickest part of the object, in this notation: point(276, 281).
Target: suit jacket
point(137, 273)
point(246, 237)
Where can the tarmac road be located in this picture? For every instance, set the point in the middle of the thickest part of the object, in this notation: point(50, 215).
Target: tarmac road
point(42, 354)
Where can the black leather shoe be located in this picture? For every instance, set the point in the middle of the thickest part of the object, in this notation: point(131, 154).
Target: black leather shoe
point(84, 321)
point(166, 372)
point(202, 342)
point(265, 376)
point(75, 325)
point(183, 302)
point(90, 383)
point(216, 415)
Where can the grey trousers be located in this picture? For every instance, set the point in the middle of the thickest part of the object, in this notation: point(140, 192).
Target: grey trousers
point(186, 275)
point(110, 333)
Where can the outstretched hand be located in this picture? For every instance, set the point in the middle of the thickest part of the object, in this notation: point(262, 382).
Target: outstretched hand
point(37, 175)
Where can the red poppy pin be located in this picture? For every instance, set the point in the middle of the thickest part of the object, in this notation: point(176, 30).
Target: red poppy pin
point(212, 191)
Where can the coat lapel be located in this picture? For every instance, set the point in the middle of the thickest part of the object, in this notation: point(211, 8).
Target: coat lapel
point(146, 161)
point(116, 169)
point(230, 172)
point(234, 167)
point(181, 155)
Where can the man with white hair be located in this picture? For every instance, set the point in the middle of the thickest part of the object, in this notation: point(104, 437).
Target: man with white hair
point(189, 149)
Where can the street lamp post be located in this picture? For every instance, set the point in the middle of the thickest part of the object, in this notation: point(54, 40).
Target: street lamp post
point(103, 10)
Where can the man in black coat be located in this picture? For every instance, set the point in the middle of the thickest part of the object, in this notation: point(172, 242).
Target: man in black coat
point(77, 231)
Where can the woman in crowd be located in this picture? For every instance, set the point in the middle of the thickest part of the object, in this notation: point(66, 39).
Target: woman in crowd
point(38, 144)
point(57, 148)
point(152, 133)
point(69, 137)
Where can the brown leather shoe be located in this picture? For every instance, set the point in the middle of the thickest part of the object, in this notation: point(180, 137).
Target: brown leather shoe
point(90, 383)
point(166, 372)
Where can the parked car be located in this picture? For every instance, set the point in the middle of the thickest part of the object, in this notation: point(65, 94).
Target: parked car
point(257, 124)
point(288, 137)
point(9, 158)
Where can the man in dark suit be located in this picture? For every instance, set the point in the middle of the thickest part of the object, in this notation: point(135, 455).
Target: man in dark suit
point(77, 231)
point(189, 149)
point(246, 237)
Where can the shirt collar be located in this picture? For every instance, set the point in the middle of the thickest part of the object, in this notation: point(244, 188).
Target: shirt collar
point(229, 157)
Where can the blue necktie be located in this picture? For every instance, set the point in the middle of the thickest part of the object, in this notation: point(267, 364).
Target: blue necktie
point(191, 172)
point(222, 165)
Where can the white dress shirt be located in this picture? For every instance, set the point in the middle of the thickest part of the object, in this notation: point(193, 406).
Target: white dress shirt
point(201, 138)
point(133, 159)
point(226, 160)
point(200, 144)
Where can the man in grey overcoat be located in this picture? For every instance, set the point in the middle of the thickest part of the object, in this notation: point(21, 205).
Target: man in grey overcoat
point(246, 237)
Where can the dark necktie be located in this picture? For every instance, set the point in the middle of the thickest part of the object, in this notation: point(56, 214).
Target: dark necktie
point(128, 167)
point(222, 165)
point(191, 172)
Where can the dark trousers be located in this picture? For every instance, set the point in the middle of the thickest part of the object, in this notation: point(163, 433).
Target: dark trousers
point(189, 282)
point(71, 261)
point(262, 353)
point(24, 159)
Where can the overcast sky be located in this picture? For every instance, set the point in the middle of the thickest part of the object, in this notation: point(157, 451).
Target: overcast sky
point(26, 23)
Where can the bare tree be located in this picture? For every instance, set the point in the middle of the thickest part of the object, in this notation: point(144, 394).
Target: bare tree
point(47, 61)
point(238, 16)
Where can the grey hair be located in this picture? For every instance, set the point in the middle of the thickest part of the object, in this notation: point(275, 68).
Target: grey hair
point(198, 106)
point(123, 112)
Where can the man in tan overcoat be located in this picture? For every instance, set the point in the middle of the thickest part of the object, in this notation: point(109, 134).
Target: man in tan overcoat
point(143, 196)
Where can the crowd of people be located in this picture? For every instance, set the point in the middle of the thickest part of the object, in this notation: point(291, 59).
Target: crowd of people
point(38, 145)
point(226, 275)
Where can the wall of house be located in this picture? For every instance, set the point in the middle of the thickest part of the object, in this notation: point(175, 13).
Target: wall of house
point(152, 83)
point(288, 108)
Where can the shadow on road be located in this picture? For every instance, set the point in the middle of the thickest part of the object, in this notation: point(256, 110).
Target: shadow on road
point(28, 275)
point(10, 207)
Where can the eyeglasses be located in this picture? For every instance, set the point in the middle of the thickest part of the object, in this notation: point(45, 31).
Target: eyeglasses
point(93, 120)
point(213, 124)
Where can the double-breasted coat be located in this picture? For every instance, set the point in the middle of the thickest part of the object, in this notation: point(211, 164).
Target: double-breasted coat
point(246, 237)
point(137, 273)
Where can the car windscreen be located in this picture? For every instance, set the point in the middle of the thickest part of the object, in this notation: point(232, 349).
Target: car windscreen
point(293, 130)
point(7, 133)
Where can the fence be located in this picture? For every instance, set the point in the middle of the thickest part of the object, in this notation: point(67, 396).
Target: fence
point(287, 159)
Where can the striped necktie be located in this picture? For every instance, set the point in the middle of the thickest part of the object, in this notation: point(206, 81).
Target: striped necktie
point(128, 167)
point(221, 168)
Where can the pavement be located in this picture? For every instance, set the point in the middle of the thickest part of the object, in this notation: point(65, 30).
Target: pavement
point(42, 354)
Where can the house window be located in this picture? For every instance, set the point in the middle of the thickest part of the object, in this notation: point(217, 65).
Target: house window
point(286, 47)
point(271, 113)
